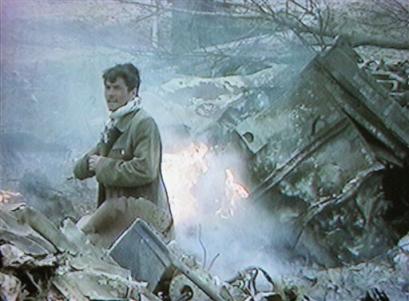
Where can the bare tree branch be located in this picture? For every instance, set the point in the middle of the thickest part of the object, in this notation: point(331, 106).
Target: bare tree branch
point(321, 28)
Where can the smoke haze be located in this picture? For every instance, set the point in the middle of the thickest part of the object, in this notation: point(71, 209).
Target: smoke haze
point(52, 110)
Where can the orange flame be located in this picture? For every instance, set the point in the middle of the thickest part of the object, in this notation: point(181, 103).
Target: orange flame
point(234, 192)
point(181, 172)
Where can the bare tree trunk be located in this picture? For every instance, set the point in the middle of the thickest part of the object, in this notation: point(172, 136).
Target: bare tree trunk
point(155, 25)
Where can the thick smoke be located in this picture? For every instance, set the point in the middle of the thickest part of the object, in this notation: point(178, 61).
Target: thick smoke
point(52, 110)
point(228, 233)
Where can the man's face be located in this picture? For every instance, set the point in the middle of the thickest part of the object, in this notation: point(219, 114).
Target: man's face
point(117, 94)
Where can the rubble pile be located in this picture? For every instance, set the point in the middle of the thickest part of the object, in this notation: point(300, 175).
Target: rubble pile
point(339, 202)
point(388, 275)
point(346, 208)
point(323, 139)
point(40, 261)
point(326, 146)
point(333, 163)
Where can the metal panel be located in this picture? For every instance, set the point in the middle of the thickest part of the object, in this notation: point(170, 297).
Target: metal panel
point(136, 251)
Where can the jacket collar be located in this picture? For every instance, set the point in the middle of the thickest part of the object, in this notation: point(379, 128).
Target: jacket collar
point(125, 121)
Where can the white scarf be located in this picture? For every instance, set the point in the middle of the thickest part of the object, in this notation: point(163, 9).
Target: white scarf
point(114, 117)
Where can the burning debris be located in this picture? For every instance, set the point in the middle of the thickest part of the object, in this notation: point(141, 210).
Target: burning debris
point(336, 147)
point(234, 193)
point(316, 111)
point(181, 171)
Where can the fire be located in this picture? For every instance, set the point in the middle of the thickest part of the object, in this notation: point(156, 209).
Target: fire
point(181, 171)
point(233, 192)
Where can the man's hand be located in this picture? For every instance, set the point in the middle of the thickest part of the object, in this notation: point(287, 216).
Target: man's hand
point(93, 161)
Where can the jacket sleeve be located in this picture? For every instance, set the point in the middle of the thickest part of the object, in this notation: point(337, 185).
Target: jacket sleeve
point(81, 170)
point(142, 169)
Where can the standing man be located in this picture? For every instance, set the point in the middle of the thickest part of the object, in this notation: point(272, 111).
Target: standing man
point(126, 163)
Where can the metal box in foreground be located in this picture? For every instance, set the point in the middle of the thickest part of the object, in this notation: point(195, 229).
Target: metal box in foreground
point(136, 251)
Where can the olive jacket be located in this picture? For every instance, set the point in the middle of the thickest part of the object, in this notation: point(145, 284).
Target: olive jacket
point(131, 163)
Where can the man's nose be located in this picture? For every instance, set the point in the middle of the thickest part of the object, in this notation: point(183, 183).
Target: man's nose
point(109, 93)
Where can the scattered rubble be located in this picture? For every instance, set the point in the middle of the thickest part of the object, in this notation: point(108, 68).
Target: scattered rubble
point(40, 261)
point(343, 208)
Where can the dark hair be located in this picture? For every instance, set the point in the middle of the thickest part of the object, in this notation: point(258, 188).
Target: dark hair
point(128, 72)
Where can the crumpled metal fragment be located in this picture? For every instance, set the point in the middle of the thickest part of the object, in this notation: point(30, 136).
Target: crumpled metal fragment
point(10, 288)
point(12, 257)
